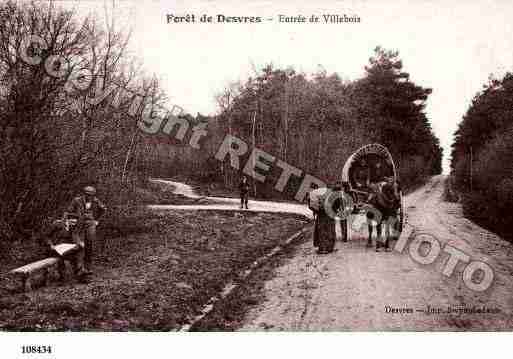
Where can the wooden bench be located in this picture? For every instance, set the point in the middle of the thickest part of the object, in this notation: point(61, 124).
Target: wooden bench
point(28, 270)
point(25, 272)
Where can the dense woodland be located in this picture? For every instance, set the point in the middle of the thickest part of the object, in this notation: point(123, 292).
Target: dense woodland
point(54, 138)
point(482, 156)
point(315, 121)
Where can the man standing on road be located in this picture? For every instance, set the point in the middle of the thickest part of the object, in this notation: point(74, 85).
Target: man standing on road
point(244, 192)
point(88, 209)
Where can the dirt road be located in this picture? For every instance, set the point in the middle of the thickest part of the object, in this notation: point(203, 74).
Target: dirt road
point(351, 289)
point(222, 203)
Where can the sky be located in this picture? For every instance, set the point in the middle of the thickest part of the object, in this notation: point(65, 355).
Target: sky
point(451, 47)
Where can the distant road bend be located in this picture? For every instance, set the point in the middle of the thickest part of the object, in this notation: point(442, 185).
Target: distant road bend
point(223, 203)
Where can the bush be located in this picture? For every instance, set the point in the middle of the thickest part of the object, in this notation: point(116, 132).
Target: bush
point(491, 200)
point(505, 194)
point(488, 213)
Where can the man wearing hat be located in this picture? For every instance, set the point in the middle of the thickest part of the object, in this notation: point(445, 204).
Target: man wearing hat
point(88, 209)
point(244, 192)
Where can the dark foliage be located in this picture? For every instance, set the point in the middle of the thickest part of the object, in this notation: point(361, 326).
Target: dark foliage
point(482, 156)
point(314, 122)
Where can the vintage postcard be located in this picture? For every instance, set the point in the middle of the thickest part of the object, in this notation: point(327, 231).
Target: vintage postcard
point(254, 166)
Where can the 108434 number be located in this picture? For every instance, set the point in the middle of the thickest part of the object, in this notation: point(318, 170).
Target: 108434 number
point(36, 349)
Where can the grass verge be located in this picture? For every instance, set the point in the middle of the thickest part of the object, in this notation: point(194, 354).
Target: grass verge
point(154, 277)
point(229, 314)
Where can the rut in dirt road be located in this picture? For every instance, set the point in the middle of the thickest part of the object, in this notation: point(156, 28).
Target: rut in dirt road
point(354, 288)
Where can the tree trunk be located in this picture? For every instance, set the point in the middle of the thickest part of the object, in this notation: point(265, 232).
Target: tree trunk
point(319, 153)
point(227, 171)
point(254, 144)
point(128, 153)
point(285, 122)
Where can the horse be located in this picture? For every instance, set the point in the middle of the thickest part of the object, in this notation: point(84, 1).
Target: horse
point(385, 200)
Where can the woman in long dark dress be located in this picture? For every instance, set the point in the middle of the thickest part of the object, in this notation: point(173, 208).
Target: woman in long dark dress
point(326, 233)
point(326, 225)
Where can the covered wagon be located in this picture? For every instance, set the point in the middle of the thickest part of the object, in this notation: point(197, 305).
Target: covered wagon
point(365, 171)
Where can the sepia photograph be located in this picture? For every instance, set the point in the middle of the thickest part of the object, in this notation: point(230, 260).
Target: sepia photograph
point(254, 166)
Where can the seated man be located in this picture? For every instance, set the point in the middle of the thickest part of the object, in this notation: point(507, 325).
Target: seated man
point(360, 175)
point(58, 232)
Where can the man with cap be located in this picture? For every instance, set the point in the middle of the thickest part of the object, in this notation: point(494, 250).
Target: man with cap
point(244, 192)
point(88, 209)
